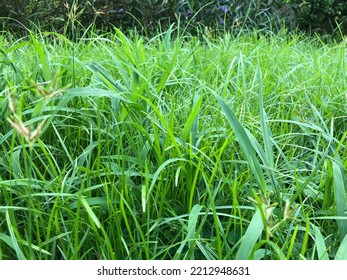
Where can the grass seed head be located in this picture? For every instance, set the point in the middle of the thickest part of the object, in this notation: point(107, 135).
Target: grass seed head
point(16, 122)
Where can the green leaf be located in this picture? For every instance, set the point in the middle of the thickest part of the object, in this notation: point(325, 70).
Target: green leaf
point(191, 119)
point(341, 253)
point(90, 212)
point(245, 143)
point(191, 230)
point(321, 248)
point(15, 245)
point(340, 199)
point(251, 236)
point(43, 58)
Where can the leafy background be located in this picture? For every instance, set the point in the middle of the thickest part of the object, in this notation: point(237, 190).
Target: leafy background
point(310, 16)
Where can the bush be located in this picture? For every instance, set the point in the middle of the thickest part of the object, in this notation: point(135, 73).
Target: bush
point(105, 14)
point(320, 15)
point(145, 15)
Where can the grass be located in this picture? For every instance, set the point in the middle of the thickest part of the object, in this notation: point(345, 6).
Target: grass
point(173, 147)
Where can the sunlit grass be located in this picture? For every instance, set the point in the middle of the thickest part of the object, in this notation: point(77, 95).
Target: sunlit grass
point(173, 147)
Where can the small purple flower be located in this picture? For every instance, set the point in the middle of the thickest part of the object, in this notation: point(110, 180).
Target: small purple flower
point(189, 14)
point(224, 9)
point(121, 11)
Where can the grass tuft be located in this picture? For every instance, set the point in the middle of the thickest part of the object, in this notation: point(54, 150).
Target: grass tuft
point(172, 147)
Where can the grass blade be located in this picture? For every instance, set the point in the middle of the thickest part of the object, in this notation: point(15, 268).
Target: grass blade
point(191, 231)
point(244, 142)
point(43, 58)
point(251, 236)
point(191, 119)
point(341, 253)
point(321, 248)
point(15, 245)
point(100, 72)
point(90, 212)
point(340, 199)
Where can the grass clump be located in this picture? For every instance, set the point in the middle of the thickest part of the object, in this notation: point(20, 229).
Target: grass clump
point(173, 147)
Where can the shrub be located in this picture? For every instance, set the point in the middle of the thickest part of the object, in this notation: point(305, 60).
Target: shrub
point(318, 15)
point(134, 13)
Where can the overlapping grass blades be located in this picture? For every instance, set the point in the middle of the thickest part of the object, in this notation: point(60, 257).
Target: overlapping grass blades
point(43, 58)
point(248, 143)
point(245, 144)
point(191, 126)
point(137, 161)
point(190, 234)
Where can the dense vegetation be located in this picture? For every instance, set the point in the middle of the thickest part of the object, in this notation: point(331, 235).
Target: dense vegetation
point(323, 16)
point(172, 147)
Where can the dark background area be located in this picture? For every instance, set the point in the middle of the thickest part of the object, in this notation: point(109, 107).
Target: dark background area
point(319, 16)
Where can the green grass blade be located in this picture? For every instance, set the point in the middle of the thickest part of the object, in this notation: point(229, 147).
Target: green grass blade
point(193, 218)
point(277, 250)
point(15, 245)
point(43, 58)
point(7, 239)
point(321, 248)
point(90, 212)
point(244, 142)
point(263, 121)
point(157, 174)
point(292, 242)
point(311, 176)
point(340, 199)
point(191, 119)
point(251, 236)
point(106, 78)
point(191, 231)
point(167, 71)
point(341, 253)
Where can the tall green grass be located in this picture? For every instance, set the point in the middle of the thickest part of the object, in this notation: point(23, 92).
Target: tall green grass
point(173, 147)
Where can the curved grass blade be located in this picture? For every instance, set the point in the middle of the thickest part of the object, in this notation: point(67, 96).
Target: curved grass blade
point(251, 236)
point(341, 253)
point(191, 231)
point(191, 124)
point(106, 78)
point(90, 212)
point(311, 176)
point(43, 58)
point(244, 142)
point(321, 248)
point(14, 242)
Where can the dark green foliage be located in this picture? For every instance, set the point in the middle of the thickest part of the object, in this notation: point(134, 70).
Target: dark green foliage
point(308, 15)
point(320, 15)
point(145, 15)
point(17, 15)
